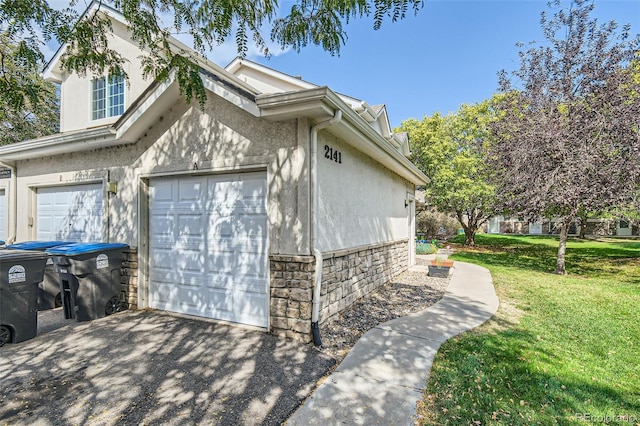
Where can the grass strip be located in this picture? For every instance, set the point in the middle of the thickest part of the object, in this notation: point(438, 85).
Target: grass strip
point(560, 350)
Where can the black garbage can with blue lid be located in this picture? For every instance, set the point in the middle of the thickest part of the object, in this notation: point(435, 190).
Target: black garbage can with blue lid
point(49, 295)
point(20, 273)
point(90, 275)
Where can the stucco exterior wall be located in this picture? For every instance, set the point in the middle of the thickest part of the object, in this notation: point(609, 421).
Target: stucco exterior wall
point(75, 90)
point(186, 140)
point(360, 201)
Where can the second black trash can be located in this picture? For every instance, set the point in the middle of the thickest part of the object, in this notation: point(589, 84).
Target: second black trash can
point(89, 278)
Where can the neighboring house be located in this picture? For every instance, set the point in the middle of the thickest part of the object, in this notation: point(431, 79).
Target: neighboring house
point(594, 227)
point(277, 205)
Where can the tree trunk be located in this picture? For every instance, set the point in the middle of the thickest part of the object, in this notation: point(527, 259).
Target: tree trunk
point(562, 248)
point(583, 226)
point(470, 236)
point(469, 228)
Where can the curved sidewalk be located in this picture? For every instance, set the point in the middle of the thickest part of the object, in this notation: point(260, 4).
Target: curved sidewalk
point(382, 377)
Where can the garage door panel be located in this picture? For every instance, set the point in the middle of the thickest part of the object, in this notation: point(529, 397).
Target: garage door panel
point(190, 192)
point(162, 192)
point(219, 227)
point(3, 214)
point(250, 285)
point(219, 262)
point(163, 225)
point(250, 309)
point(220, 282)
point(72, 213)
point(249, 268)
point(191, 261)
point(212, 231)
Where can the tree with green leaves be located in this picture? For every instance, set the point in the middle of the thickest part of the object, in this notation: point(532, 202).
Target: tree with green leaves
point(30, 104)
point(152, 23)
point(448, 149)
point(568, 140)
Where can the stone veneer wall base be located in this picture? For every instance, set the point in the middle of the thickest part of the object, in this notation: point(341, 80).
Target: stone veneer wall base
point(129, 279)
point(347, 275)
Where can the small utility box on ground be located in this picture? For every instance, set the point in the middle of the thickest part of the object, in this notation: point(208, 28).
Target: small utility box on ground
point(20, 273)
point(89, 278)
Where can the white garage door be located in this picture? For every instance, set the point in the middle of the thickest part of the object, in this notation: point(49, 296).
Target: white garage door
point(3, 215)
point(69, 213)
point(208, 247)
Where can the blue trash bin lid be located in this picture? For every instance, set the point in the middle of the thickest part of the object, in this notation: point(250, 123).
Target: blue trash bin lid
point(84, 248)
point(36, 245)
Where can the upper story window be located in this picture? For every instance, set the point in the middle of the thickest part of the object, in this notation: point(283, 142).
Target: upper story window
point(107, 97)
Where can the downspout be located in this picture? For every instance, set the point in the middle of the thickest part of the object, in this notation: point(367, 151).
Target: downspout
point(13, 204)
point(313, 177)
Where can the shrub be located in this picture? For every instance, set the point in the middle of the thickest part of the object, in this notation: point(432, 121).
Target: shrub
point(426, 248)
point(434, 224)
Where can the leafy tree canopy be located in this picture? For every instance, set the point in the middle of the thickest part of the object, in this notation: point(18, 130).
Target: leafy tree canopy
point(28, 25)
point(568, 141)
point(29, 108)
point(448, 150)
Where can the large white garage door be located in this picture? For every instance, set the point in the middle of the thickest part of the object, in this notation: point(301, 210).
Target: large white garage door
point(69, 213)
point(3, 214)
point(208, 247)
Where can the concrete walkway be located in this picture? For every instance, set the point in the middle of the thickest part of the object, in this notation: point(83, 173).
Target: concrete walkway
point(384, 374)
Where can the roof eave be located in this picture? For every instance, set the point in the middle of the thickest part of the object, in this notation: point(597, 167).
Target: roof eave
point(320, 104)
point(61, 143)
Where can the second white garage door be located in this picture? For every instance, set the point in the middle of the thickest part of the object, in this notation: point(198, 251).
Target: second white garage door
point(208, 247)
point(3, 214)
point(69, 213)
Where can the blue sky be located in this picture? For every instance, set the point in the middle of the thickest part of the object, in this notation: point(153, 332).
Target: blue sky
point(447, 55)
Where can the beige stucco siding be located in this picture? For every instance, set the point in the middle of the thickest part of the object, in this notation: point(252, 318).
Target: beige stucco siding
point(360, 201)
point(186, 140)
point(75, 90)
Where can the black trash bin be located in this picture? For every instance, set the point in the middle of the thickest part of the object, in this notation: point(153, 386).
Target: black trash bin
point(49, 296)
point(20, 273)
point(89, 278)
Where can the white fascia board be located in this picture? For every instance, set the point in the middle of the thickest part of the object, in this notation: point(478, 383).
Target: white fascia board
point(290, 105)
point(246, 102)
point(159, 98)
point(146, 109)
point(321, 103)
point(383, 119)
point(61, 143)
point(237, 64)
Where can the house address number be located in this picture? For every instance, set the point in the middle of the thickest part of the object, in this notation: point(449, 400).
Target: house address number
point(332, 154)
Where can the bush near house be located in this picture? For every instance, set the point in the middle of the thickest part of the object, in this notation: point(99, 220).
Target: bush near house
point(434, 224)
point(426, 248)
point(560, 350)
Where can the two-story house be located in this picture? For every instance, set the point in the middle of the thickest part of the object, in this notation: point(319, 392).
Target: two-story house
point(276, 205)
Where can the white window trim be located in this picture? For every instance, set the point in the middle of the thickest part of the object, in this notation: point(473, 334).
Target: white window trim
point(107, 106)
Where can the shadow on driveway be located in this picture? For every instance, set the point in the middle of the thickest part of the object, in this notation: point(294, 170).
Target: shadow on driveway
point(153, 368)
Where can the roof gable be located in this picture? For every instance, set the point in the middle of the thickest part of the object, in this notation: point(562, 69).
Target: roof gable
point(269, 81)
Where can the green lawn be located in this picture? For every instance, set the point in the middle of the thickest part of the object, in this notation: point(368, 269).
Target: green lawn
point(560, 348)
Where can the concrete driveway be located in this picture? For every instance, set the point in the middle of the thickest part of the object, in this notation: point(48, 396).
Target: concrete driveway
point(144, 367)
